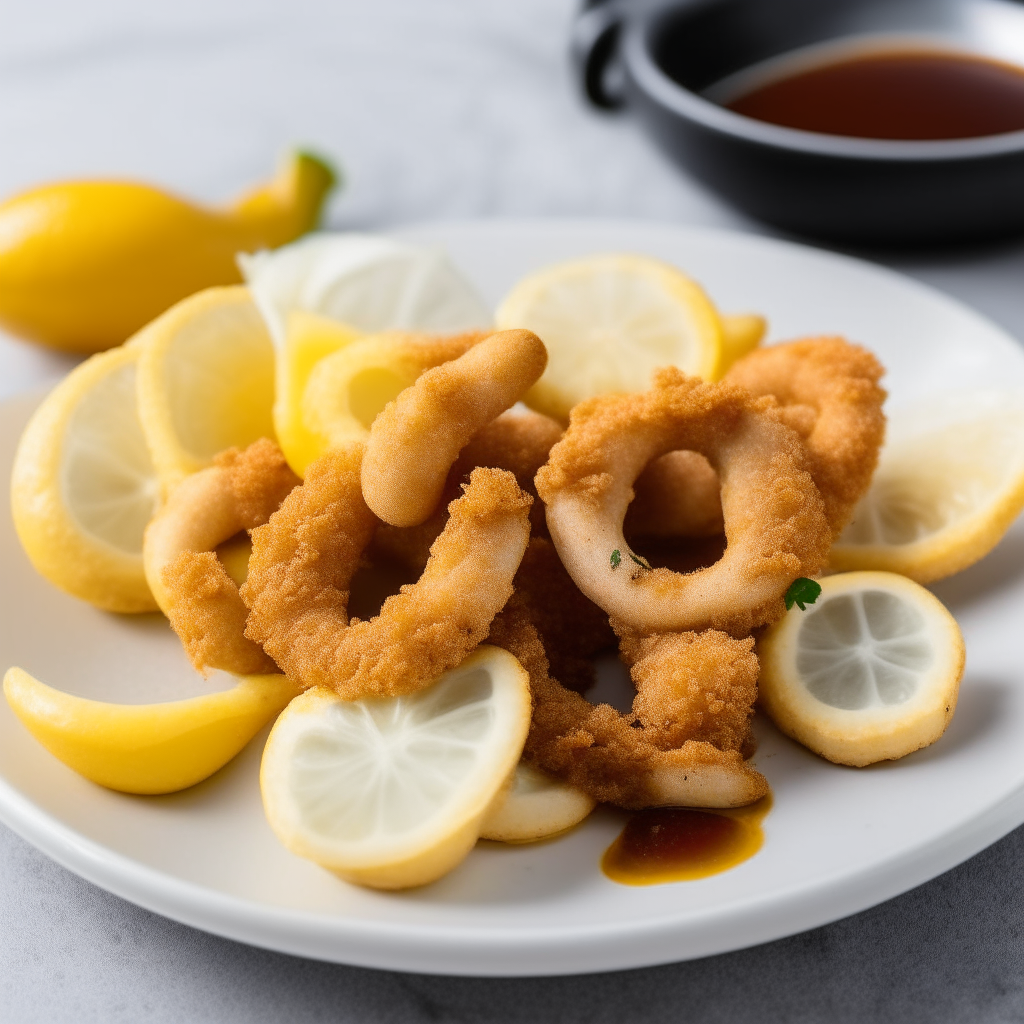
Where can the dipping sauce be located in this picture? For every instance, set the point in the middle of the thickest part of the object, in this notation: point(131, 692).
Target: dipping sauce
point(895, 95)
point(680, 844)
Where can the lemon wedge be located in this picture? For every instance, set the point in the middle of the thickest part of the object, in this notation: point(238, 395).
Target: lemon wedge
point(205, 381)
point(369, 282)
point(391, 792)
point(608, 323)
point(309, 339)
point(147, 748)
point(536, 806)
point(949, 483)
point(869, 672)
point(84, 487)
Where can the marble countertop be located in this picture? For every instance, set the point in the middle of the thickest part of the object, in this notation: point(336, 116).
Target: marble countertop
point(436, 110)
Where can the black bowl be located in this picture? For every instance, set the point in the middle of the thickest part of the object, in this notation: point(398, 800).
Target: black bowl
point(659, 58)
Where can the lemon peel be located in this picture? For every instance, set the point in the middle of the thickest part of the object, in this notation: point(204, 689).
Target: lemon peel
point(147, 748)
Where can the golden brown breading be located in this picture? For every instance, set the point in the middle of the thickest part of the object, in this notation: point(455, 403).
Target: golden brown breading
point(693, 686)
point(829, 392)
point(301, 565)
point(239, 492)
point(304, 558)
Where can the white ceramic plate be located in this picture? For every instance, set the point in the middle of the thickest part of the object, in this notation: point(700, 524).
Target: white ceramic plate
point(838, 839)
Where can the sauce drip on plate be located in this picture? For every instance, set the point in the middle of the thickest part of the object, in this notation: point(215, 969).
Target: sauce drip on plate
point(917, 94)
point(680, 844)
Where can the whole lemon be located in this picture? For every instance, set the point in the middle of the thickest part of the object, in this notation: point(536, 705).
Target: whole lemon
point(85, 264)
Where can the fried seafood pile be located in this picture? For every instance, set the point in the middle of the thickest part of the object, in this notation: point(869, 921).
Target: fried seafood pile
point(531, 538)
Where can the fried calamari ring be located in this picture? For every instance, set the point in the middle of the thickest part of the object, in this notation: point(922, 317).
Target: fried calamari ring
point(774, 517)
point(415, 441)
point(829, 394)
point(600, 751)
point(302, 565)
point(191, 586)
point(516, 441)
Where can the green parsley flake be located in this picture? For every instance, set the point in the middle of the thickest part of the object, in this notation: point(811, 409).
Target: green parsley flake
point(616, 559)
point(801, 593)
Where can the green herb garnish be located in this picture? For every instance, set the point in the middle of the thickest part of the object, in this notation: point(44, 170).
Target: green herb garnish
point(801, 593)
point(616, 559)
point(642, 562)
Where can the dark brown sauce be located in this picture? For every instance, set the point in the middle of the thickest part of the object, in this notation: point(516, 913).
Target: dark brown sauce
point(680, 844)
point(912, 95)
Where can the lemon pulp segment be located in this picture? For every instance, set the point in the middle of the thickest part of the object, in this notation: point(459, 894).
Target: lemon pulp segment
point(147, 748)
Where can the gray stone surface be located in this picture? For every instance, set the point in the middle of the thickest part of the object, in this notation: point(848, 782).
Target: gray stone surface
point(437, 109)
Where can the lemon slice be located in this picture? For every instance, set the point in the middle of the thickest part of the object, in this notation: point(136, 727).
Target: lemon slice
point(347, 390)
point(741, 334)
point(869, 672)
point(206, 381)
point(83, 486)
point(369, 282)
point(391, 792)
point(949, 483)
point(536, 806)
point(147, 748)
point(309, 339)
point(608, 323)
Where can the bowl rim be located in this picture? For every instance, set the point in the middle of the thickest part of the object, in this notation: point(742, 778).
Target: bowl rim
point(637, 54)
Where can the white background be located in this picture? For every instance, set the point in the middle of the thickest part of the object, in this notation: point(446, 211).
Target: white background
point(435, 110)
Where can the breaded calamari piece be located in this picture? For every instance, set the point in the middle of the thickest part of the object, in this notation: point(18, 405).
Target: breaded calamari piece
point(774, 517)
point(415, 441)
point(304, 559)
point(516, 441)
point(829, 393)
point(302, 563)
point(598, 750)
point(239, 492)
point(693, 686)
